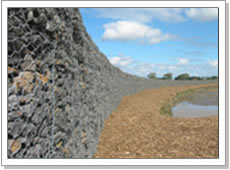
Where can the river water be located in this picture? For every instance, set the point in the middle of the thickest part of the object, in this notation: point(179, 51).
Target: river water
point(198, 104)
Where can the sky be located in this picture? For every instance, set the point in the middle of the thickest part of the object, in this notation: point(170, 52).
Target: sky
point(160, 40)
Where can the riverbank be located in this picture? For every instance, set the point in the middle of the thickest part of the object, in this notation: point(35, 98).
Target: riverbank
point(136, 129)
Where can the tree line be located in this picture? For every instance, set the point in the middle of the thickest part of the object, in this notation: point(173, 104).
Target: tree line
point(184, 76)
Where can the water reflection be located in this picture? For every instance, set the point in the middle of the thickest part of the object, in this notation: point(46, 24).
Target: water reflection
point(186, 109)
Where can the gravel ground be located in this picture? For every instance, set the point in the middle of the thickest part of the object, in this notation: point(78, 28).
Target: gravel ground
point(137, 130)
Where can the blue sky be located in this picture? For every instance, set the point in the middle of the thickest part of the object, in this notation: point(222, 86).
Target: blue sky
point(161, 40)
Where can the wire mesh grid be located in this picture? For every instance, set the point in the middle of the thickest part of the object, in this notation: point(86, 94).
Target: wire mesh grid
point(33, 82)
point(57, 90)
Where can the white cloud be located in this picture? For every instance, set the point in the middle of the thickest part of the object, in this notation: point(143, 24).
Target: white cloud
point(130, 30)
point(202, 14)
point(144, 68)
point(143, 15)
point(213, 63)
point(121, 61)
point(172, 67)
point(146, 15)
point(183, 61)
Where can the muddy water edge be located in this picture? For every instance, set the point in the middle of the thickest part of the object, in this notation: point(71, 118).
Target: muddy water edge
point(199, 102)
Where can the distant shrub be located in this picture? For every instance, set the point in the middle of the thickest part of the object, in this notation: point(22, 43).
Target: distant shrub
point(167, 76)
point(212, 78)
point(184, 76)
point(152, 76)
point(194, 78)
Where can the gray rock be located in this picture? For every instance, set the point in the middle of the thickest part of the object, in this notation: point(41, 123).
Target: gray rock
point(30, 16)
point(13, 101)
point(35, 152)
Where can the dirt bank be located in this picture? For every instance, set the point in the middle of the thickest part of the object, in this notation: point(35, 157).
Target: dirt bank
point(137, 130)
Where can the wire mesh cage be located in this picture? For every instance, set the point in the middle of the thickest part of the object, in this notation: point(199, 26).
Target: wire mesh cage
point(41, 119)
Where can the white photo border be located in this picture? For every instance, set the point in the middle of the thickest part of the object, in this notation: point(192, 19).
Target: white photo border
point(165, 162)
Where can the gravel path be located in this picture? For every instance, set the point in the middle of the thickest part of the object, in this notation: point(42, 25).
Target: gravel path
point(137, 130)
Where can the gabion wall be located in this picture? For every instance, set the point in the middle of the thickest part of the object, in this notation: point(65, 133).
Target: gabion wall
point(60, 86)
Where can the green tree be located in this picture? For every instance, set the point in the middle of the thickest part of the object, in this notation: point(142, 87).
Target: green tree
point(184, 76)
point(167, 76)
point(212, 78)
point(194, 78)
point(152, 76)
